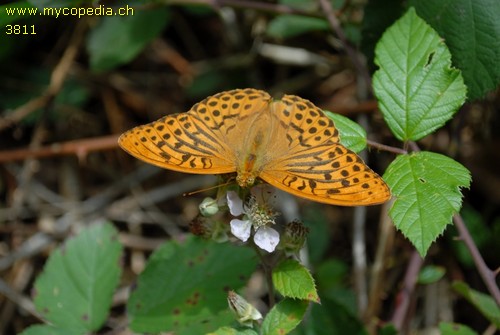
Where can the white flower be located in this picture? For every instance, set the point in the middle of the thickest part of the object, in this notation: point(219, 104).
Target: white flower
point(241, 229)
point(234, 203)
point(266, 238)
point(256, 215)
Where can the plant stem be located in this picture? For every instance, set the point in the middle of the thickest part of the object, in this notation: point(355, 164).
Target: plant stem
point(388, 148)
point(404, 296)
point(485, 272)
point(268, 273)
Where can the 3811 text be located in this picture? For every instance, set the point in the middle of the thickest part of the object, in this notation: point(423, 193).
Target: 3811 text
point(20, 29)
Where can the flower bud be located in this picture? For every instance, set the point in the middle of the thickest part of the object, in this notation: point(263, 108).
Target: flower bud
point(294, 237)
point(245, 313)
point(209, 207)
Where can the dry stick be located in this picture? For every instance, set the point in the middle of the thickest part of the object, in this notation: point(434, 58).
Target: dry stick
point(248, 4)
point(388, 148)
point(78, 147)
point(90, 207)
point(409, 283)
point(56, 80)
point(385, 243)
point(326, 6)
point(485, 272)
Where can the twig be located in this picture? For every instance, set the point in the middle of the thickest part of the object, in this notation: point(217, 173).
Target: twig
point(384, 147)
point(385, 243)
point(89, 208)
point(326, 6)
point(262, 6)
point(404, 296)
point(78, 147)
point(485, 272)
point(359, 258)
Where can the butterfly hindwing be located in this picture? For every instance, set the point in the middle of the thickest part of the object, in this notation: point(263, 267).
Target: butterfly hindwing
point(329, 174)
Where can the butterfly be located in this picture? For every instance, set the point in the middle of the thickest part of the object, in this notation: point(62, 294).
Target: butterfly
point(288, 143)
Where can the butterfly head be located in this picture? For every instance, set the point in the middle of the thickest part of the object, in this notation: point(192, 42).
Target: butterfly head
point(245, 179)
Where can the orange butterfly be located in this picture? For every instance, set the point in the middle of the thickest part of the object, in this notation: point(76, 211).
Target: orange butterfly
point(288, 143)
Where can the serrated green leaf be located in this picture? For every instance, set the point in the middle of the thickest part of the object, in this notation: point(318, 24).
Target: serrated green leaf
point(416, 88)
point(77, 285)
point(426, 186)
point(293, 280)
point(484, 303)
point(430, 274)
point(184, 286)
point(284, 317)
point(449, 328)
point(287, 26)
point(50, 330)
point(233, 331)
point(352, 135)
point(119, 39)
point(471, 30)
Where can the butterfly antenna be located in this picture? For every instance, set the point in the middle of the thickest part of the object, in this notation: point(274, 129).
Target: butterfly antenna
point(207, 189)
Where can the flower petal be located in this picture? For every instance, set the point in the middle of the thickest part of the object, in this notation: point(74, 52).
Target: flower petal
point(241, 229)
point(267, 238)
point(234, 203)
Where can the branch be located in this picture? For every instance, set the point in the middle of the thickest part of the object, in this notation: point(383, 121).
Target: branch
point(326, 6)
point(485, 272)
point(404, 296)
point(77, 147)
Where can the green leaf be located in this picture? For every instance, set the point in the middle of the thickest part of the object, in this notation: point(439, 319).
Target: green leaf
point(119, 39)
point(184, 286)
point(484, 303)
point(352, 135)
point(286, 26)
point(471, 30)
point(50, 330)
point(77, 284)
point(310, 5)
point(416, 88)
point(293, 280)
point(233, 331)
point(284, 317)
point(449, 328)
point(426, 186)
point(431, 274)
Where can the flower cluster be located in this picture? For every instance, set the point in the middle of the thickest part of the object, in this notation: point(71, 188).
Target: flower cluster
point(256, 214)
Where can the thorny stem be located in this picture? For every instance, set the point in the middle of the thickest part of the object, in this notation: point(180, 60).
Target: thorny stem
point(406, 292)
point(326, 6)
point(384, 147)
point(268, 273)
point(485, 272)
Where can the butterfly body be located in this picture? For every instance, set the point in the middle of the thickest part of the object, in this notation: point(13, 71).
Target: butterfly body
point(288, 143)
